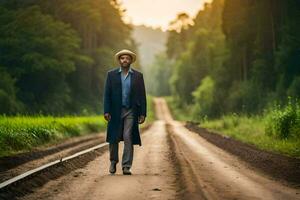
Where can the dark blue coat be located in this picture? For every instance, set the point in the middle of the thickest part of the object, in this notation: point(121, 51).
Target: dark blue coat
point(113, 103)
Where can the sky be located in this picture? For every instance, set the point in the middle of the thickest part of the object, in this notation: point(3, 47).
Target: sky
point(159, 13)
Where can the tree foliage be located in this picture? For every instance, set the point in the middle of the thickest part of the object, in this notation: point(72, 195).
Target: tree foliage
point(57, 53)
point(250, 49)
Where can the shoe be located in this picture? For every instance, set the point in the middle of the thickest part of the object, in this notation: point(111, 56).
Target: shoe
point(112, 168)
point(126, 171)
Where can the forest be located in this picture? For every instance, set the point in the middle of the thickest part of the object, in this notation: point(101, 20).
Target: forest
point(233, 68)
point(54, 54)
point(237, 56)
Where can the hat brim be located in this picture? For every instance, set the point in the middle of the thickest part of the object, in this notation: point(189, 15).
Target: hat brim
point(121, 53)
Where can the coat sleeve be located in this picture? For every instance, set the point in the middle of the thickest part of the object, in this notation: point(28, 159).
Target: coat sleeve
point(143, 98)
point(107, 94)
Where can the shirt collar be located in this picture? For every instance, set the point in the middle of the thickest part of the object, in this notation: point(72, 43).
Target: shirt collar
point(130, 70)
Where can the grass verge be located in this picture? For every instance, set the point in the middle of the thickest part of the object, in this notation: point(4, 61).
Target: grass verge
point(253, 130)
point(23, 133)
point(276, 131)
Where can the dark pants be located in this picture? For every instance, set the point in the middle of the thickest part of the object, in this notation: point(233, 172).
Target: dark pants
point(127, 120)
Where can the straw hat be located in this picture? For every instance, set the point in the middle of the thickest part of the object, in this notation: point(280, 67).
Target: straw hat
point(125, 52)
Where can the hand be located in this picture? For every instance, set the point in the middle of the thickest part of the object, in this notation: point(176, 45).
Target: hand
point(107, 116)
point(141, 119)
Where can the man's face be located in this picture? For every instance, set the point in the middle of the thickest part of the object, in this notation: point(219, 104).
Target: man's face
point(125, 60)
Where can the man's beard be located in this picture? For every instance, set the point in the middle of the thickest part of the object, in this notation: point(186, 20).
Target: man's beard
point(126, 65)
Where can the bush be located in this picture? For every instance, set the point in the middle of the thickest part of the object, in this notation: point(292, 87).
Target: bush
point(203, 98)
point(230, 121)
point(284, 122)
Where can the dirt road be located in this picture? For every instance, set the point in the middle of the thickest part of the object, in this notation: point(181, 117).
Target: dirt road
point(172, 163)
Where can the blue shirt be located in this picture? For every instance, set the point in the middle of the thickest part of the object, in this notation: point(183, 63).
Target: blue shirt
point(126, 81)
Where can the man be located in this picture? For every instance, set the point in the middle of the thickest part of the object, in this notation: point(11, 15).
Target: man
point(124, 109)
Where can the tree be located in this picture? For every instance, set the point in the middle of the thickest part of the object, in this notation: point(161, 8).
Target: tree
point(38, 52)
point(58, 51)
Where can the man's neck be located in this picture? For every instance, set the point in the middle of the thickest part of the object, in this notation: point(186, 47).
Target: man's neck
point(125, 69)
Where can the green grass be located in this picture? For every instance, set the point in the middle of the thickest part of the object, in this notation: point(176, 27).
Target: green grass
point(252, 130)
point(23, 133)
point(150, 110)
point(278, 130)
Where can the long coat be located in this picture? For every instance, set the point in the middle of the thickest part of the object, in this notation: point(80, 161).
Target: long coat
point(113, 104)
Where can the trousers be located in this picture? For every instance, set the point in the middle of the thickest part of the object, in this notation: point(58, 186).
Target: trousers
point(127, 119)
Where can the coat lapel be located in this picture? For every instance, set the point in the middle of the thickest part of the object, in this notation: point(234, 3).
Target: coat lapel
point(132, 82)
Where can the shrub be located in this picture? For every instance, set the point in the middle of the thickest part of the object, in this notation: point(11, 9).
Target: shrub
point(203, 98)
point(284, 122)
